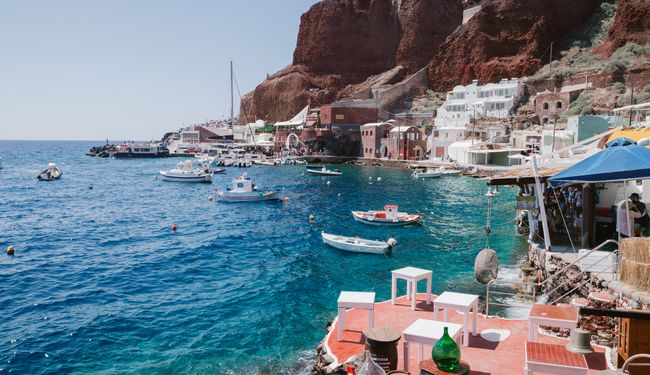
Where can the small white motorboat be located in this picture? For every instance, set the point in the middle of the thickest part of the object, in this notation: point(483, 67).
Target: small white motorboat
point(449, 172)
point(426, 173)
point(324, 172)
point(389, 216)
point(185, 172)
point(243, 190)
point(51, 173)
point(358, 245)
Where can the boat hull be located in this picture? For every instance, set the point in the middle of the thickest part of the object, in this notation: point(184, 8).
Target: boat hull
point(356, 245)
point(178, 178)
point(321, 173)
point(44, 176)
point(248, 197)
point(427, 175)
point(363, 218)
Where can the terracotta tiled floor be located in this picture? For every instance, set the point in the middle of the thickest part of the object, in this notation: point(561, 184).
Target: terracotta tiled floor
point(484, 357)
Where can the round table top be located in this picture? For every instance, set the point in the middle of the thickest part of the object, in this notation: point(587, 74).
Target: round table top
point(427, 367)
point(382, 334)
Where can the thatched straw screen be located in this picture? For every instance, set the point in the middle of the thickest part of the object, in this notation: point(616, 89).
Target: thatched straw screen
point(635, 262)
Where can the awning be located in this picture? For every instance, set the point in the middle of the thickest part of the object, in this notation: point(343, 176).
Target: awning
point(297, 120)
point(523, 176)
point(622, 160)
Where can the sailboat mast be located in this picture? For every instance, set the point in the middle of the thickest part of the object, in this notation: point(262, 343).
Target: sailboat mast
point(232, 105)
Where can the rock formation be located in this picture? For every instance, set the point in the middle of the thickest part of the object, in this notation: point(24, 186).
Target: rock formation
point(631, 24)
point(343, 42)
point(506, 38)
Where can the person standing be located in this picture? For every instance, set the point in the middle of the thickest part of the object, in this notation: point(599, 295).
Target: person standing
point(626, 212)
point(644, 220)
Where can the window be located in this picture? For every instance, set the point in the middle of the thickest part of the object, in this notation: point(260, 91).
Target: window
point(545, 120)
point(545, 106)
point(558, 104)
point(371, 132)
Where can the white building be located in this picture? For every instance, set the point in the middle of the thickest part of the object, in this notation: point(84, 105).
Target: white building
point(493, 100)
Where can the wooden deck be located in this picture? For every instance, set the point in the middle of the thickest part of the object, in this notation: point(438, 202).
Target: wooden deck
point(484, 357)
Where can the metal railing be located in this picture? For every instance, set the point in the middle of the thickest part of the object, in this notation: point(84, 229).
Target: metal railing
point(532, 287)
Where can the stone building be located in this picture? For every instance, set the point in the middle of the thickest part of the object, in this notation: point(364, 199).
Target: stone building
point(407, 143)
point(374, 139)
point(549, 105)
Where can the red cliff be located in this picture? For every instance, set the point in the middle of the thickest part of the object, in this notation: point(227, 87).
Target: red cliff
point(343, 42)
point(631, 24)
point(506, 38)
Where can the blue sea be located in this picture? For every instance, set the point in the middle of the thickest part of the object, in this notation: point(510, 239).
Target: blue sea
point(100, 284)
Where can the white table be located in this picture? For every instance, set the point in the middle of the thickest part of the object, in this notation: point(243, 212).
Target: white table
point(355, 300)
point(465, 303)
point(427, 332)
point(560, 316)
point(412, 275)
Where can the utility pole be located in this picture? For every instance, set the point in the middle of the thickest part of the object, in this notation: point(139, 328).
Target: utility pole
point(629, 125)
point(553, 144)
point(550, 60)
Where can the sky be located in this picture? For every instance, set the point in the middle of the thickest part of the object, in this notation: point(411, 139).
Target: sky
point(134, 69)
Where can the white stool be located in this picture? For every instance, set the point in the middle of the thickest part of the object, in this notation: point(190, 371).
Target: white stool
point(412, 275)
point(355, 300)
point(427, 332)
point(466, 303)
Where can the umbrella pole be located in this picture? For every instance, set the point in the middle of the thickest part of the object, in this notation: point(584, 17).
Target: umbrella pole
point(540, 202)
point(630, 231)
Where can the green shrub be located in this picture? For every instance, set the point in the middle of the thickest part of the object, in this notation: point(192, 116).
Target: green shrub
point(619, 87)
point(582, 101)
point(587, 110)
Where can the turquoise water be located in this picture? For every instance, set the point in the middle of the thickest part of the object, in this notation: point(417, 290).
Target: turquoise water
point(100, 284)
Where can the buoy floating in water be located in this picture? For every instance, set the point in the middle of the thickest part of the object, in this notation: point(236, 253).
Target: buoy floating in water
point(339, 195)
point(286, 199)
point(328, 182)
point(312, 218)
point(370, 178)
point(173, 227)
point(10, 250)
point(209, 198)
point(378, 179)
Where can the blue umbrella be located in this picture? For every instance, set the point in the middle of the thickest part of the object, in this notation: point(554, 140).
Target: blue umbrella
point(622, 160)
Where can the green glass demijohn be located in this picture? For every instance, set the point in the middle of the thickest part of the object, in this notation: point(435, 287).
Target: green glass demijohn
point(446, 353)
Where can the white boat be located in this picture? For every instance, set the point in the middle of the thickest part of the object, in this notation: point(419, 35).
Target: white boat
point(324, 172)
point(358, 245)
point(389, 216)
point(449, 172)
point(243, 190)
point(51, 173)
point(426, 173)
point(185, 172)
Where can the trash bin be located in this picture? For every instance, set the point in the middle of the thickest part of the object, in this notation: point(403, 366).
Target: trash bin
point(382, 344)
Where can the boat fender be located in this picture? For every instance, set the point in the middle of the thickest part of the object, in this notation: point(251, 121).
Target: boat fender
point(391, 242)
point(173, 227)
point(10, 250)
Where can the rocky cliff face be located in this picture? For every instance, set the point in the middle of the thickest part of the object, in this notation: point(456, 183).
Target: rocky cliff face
point(343, 42)
point(506, 38)
point(631, 24)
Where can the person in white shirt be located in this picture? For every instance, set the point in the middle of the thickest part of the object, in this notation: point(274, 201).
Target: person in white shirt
point(625, 222)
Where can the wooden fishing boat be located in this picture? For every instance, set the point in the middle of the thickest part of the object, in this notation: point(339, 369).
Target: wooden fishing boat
point(389, 216)
point(358, 245)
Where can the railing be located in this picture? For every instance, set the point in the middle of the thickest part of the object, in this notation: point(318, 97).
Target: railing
point(532, 287)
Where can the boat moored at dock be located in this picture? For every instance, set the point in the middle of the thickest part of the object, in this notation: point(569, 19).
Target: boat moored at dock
point(426, 173)
point(358, 245)
point(185, 172)
point(389, 216)
point(243, 190)
point(135, 150)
